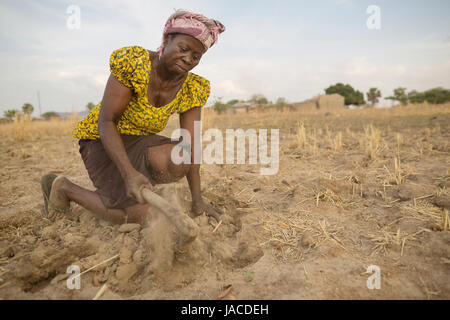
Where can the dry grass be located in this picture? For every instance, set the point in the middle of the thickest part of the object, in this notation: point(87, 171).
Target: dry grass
point(337, 142)
point(301, 135)
point(296, 233)
point(384, 240)
point(388, 139)
point(421, 211)
point(26, 130)
point(311, 120)
point(372, 137)
point(376, 134)
point(284, 232)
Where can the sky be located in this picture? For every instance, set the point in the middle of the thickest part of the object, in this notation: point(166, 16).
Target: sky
point(290, 49)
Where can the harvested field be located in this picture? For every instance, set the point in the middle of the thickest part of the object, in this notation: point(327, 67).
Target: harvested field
point(355, 188)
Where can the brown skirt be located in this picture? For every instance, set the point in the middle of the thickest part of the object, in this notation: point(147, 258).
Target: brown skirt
point(104, 173)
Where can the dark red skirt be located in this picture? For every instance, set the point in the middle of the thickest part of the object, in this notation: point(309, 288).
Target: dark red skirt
point(104, 173)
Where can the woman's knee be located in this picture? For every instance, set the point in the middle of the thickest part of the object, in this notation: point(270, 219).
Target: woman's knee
point(158, 158)
point(163, 166)
point(178, 170)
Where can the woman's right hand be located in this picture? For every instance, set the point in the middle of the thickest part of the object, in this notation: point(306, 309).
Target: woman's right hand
point(134, 183)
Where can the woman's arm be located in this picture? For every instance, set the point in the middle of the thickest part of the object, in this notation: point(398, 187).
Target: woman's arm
point(193, 176)
point(115, 100)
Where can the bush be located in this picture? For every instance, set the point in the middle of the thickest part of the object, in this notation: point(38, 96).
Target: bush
point(258, 99)
point(50, 114)
point(400, 96)
point(220, 107)
point(10, 114)
point(433, 96)
point(27, 108)
point(437, 95)
point(232, 102)
point(350, 95)
point(373, 96)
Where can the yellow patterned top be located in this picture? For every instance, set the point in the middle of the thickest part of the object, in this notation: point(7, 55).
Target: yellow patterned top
point(131, 66)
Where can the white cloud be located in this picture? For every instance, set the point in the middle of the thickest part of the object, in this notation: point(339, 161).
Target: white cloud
point(400, 70)
point(360, 66)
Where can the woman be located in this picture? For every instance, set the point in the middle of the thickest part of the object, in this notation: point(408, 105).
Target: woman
point(118, 141)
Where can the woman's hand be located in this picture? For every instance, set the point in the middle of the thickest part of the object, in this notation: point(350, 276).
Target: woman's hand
point(134, 183)
point(200, 207)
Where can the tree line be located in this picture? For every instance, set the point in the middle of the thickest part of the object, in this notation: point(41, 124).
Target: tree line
point(356, 97)
point(27, 109)
point(256, 99)
point(351, 97)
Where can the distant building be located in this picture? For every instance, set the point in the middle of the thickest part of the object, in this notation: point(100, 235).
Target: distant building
point(323, 102)
point(331, 101)
point(241, 107)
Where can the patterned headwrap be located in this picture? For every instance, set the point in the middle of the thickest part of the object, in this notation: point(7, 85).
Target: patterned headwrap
point(194, 24)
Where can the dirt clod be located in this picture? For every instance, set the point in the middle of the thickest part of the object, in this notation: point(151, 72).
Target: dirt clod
point(442, 202)
point(126, 271)
point(128, 227)
point(125, 256)
point(307, 240)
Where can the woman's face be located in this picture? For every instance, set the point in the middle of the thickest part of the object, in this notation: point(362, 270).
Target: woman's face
point(182, 53)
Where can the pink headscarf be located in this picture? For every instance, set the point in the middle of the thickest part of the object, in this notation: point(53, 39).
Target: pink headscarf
point(194, 24)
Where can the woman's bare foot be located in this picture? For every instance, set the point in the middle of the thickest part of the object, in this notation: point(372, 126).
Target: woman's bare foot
point(55, 200)
point(57, 196)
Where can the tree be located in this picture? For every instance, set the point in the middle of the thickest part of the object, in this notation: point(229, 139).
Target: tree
point(50, 114)
point(90, 106)
point(232, 102)
point(258, 99)
point(437, 95)
point(416, 97)
point(280, 103)
point(219, 106)
point(27, 109)
point(262, 100)
point(350, 95)
point(400, 96)
point(373, 96)
point(10, 114)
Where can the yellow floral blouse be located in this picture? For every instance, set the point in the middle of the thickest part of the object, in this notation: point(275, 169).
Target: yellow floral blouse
point(131, 66)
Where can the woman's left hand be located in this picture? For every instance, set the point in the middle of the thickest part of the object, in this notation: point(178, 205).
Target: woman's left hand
point(201, 207)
